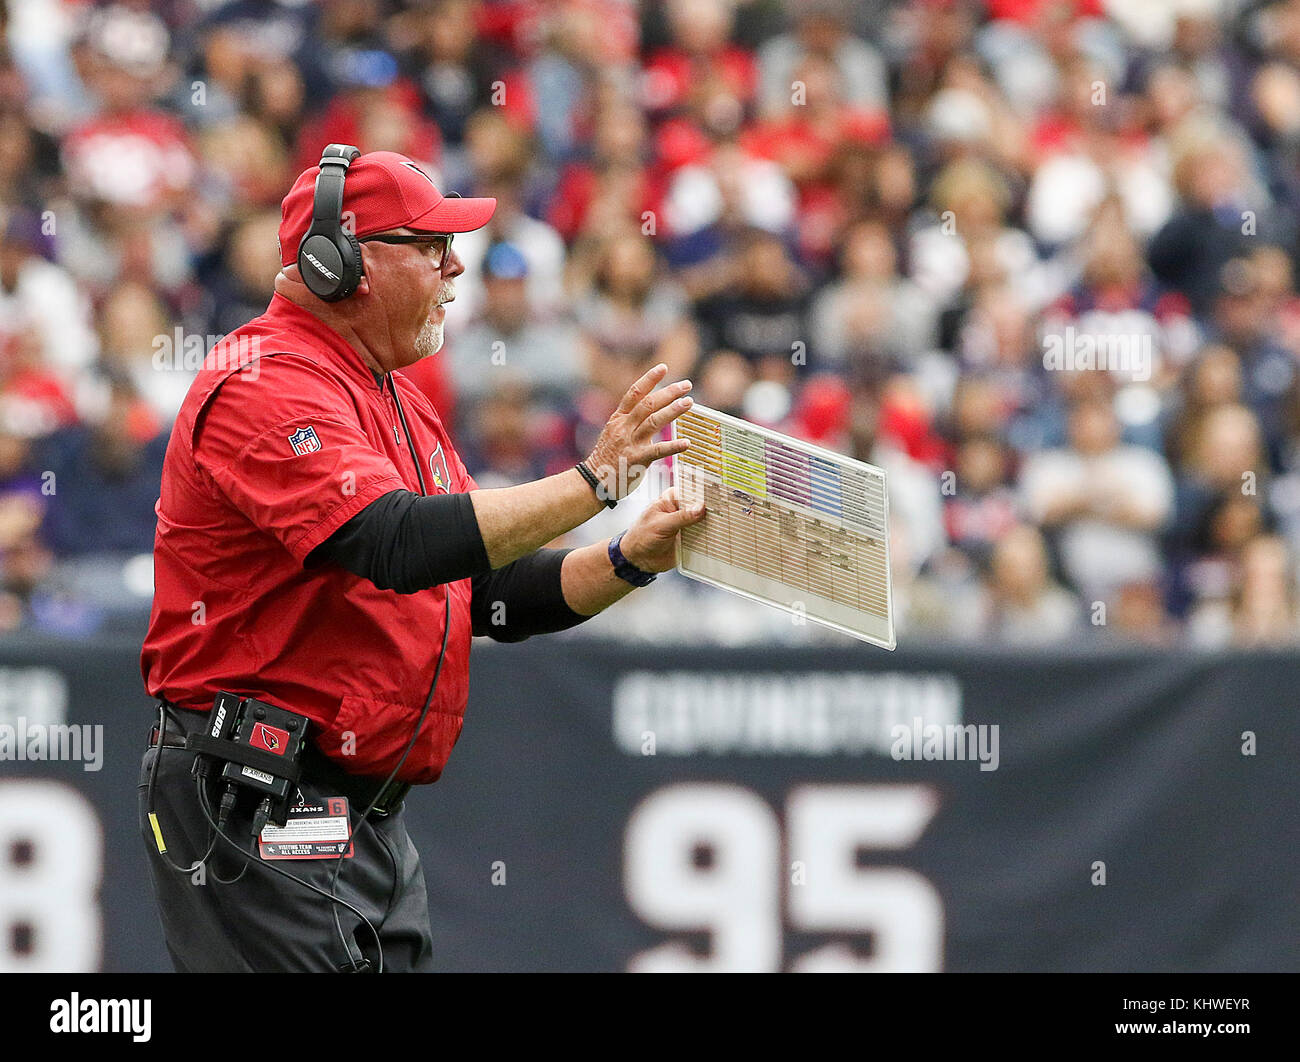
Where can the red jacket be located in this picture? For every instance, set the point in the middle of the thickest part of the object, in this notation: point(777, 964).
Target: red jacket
point(283, 437)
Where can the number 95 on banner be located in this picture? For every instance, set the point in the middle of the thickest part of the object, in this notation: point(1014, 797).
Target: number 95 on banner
point(707, 859)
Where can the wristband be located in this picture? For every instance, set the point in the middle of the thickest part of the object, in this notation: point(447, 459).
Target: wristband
point(624, 568)
point(590, 477)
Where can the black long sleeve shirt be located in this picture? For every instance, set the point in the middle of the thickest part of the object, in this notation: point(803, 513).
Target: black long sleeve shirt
point(406, 543)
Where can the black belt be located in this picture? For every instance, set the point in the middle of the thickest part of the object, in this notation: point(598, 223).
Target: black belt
point(360, 789)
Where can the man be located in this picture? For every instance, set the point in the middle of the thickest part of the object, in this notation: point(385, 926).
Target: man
point(1105, 500)
point(508, 344)
point(321, 548)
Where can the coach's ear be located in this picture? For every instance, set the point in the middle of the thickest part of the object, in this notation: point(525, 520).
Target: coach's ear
point(363, 285)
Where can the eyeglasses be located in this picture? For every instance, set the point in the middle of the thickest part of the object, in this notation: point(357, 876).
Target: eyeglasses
point(439, 240)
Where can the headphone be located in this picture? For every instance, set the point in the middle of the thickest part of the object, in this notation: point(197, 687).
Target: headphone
point(329, 257)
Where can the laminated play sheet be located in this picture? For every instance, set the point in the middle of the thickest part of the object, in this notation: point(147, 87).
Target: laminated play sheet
point(790, 524)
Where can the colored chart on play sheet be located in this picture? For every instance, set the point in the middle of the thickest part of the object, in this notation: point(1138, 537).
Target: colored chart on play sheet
point(788, 523)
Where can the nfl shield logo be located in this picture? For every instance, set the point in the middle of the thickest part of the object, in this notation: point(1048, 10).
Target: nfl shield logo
point(304, 441)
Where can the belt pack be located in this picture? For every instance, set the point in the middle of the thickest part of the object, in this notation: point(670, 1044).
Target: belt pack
point(313, 766)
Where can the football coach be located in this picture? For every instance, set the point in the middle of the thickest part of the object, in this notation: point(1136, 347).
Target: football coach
point(321, 549)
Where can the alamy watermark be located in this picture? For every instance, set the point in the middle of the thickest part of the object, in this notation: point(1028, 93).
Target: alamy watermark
point(77, 1015)
point(1124, 352)
point(22, 741)
point(950, 741)
point(192, 351)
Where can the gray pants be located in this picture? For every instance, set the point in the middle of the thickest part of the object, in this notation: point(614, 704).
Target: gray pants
point(261, 922)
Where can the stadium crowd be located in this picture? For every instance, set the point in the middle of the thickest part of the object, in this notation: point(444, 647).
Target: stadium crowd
point(1036, 258)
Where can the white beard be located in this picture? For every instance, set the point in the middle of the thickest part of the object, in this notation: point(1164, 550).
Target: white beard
point(430, 339)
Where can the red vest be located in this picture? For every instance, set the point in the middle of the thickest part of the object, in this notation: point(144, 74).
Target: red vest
point(283, 437)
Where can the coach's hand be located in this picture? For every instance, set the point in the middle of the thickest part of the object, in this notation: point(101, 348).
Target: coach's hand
point(651, 542)
point(627, 447)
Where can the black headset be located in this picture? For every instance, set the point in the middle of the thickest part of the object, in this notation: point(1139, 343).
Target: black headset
point(329, 257)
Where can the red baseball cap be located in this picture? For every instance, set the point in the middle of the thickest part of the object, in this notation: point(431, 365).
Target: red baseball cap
point(383, 191)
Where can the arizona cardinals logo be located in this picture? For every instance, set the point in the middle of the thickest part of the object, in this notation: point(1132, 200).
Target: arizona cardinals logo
point(413, 166)
point(271, 738)
point(438, 466)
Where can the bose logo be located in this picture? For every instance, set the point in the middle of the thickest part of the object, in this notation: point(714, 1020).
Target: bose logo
point(316, 262)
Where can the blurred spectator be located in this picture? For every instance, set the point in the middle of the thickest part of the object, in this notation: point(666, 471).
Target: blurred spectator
point(106, 477)
point(1116, 296)
point(508, 344)
point(1103, 500)
point(376, 109)
point(712, 200)
point(611, 188)
point(1242, 320)
point(132, 154)
point(916, 514)
point(542, 247)
point(552, 91)
point(1261, 610)
point(454, 67)
point(871, 313)
point(1264, 611)
point(1084, 162)
point(724, 378)
point(700, 52)
point(274, 97)
point(242, 287)
point(510, 439)
point(1213, 379)
point(239, 41)
point(633, 318)
point(1213, 223)
point(970, 202)
point(139, 342)
point(1137, 616)
point(131, 165)
point(1027, 44)
point(38, 296)
point(1019, 604)
point(981, 508)
point(806, 138)
point(763, 315)
point(1221, 501)
point(24, 562)
point(246, 165)
point(821, 30)
point(33, 400)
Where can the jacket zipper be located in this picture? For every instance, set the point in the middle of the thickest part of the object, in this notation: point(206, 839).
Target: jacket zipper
point(402, 444)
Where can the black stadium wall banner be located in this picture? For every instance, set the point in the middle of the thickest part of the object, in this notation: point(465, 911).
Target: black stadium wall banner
point(615, 808)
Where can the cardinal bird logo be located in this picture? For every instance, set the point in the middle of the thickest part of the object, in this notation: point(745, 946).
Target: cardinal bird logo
point(438, 466)
point(271, 738)
point(413, 166)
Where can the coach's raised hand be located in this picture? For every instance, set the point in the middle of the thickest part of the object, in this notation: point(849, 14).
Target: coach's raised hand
point(627, 445)
point(517, 520)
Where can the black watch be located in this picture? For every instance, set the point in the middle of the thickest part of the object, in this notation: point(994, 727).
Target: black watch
point(624, 568)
